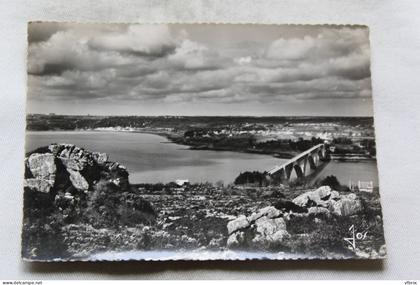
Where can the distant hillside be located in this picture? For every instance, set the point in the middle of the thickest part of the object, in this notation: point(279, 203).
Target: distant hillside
point(38, 122)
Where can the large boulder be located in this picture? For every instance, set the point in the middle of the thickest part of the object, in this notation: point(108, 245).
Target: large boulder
point(269, 212)
point(270, 231)
point(325, 200)
point(235, 239)
point(319, 197)
point(347, 205)
point(74, 158)
point(42, 165)
point(43, 170)
point(77, 180)
point(318, 210)
point(239, 223)
point(40, 185)
point(261, 229)
point(74, 164)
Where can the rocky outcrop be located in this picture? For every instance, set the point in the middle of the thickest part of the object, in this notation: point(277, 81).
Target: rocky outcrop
point(68, 188)
point(318, 197)
point(270, 231)
point(76, 168)
point(262, 229)
point(326, 200)
point(267, 228)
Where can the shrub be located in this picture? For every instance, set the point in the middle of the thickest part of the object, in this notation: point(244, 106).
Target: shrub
point(255, 177)
point(317, 238)
point(107, 206)
point(286, 206)
point(331, 181)
point(42, 223)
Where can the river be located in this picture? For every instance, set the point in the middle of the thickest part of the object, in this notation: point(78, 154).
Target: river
point(151, 158)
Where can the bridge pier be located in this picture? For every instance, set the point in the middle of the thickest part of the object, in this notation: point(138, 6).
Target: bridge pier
point(288, 171)
point(299, 171)
point(313, 160)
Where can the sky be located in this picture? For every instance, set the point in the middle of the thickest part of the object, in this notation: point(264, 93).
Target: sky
point(206, 70)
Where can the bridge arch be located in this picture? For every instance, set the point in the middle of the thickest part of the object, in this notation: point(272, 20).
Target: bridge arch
point(298, 170)
point(312, 161)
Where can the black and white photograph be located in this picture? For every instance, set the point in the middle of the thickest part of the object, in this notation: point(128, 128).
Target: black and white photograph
point(199, 142)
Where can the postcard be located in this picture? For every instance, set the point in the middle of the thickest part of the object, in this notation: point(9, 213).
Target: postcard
point(200, 142)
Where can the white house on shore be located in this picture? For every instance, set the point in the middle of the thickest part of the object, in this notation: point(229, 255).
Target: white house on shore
point(181, 182)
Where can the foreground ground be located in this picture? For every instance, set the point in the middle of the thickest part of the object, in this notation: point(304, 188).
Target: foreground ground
point(198, 216)
point(79, 204)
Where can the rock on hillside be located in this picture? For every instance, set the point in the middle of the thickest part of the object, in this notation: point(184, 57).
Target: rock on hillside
point(262, 229)
point(324, 197)
point(68, 167)
point(67, 185)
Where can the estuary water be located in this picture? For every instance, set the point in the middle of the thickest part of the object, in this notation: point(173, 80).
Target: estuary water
point(151, 158)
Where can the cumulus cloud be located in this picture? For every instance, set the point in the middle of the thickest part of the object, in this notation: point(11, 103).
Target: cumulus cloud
point(39, 32)
point(65, 50)
point(172, 65)
point(243, 60)
point(154, 40)
point(192, 55)
point(291, 49)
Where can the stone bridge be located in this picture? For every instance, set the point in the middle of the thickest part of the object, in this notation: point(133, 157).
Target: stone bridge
point(303, 164)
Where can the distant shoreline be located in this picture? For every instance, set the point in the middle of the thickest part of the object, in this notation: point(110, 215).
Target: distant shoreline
point(171, 139)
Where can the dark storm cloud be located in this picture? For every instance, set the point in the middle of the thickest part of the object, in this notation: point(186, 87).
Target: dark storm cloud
point(167, 64)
